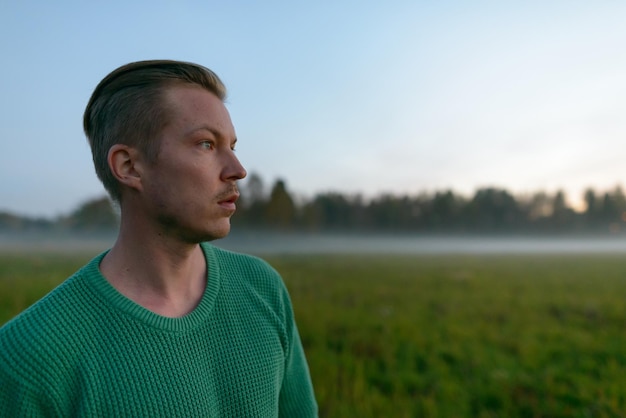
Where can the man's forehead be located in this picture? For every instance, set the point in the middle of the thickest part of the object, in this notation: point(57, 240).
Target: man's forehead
point(197, 102)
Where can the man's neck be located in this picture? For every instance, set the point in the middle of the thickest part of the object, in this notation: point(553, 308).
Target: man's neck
point(163, 275)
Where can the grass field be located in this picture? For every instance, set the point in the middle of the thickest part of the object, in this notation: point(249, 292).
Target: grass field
point(438, 336)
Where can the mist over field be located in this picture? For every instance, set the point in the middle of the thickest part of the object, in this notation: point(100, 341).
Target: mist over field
point(272, 243)
point(61, 243)
point(417, 245)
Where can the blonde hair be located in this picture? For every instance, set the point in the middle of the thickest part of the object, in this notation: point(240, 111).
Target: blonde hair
point(128, 107)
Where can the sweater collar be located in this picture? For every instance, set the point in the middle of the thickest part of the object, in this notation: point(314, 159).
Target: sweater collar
point(137, 313)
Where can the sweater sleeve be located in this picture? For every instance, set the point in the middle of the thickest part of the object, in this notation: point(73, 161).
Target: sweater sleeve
point(23, 390)
point(18, 399)
point(297, 398)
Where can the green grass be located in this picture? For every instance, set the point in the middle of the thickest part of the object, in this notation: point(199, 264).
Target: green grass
point(463, 336)
point(442, 336)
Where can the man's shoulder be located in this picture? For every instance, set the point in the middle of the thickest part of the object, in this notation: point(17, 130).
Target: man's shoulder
point(43, 323)
point(241, 261)
point(249, 270)
point(35, 342)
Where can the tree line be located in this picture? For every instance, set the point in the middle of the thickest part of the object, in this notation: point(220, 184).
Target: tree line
point(489, 211)
point(94, 216)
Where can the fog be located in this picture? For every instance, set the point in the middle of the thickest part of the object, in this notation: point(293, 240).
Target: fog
point(267, 243)
point(400, 244)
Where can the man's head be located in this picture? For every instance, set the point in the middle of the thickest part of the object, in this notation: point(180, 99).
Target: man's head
point(129, 107)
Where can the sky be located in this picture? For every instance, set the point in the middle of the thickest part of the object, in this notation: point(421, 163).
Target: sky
point(357, 97)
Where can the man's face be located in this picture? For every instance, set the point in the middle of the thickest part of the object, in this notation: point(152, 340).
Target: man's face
point(190, 189)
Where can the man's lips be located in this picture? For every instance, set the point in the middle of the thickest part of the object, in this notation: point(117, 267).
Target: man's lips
point(228, 201)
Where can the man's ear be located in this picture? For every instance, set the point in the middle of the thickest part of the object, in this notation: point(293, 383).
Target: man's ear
point(125, 165)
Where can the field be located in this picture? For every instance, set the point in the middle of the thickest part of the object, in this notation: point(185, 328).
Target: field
point(437, 336)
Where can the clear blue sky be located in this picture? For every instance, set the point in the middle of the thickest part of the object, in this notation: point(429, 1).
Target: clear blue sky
point(350, 96)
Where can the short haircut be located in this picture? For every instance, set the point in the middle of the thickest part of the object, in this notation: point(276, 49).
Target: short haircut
point(128, 107)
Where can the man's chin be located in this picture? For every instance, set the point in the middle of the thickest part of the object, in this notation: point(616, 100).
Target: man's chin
point(217, 233)
point(210, 232)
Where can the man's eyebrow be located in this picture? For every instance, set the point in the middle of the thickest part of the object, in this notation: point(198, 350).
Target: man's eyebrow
point(203, 128)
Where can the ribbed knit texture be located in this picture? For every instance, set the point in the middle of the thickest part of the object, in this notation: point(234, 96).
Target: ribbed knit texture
point(86, 350)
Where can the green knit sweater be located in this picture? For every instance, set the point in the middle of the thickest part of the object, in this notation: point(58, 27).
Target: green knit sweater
point(86, 350)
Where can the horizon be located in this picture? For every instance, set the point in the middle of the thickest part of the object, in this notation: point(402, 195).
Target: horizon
point(301, 198)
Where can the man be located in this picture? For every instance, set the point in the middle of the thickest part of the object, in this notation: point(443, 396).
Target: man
point(162, 325)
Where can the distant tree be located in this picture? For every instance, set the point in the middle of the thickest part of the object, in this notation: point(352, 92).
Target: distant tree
point(333, 211)
point(10, 222)
point(253, 190)
point(613, 205)
point(93, 215)
point(619, 202)
point(591, 208)
point(281, 209)
point(559, 204)
point(535, 209)
point(253, 203)
point(389, 212)
point(612, 211)
point(590, 201)
point(443, 211)
point(539, 206)
point(493, 210)
point(562, 218)
point(620, 199)
point(605, 212)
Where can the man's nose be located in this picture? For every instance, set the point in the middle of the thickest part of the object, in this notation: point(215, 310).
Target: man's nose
point(233, 170)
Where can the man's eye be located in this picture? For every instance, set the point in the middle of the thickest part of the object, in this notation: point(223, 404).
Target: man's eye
point(207, 145)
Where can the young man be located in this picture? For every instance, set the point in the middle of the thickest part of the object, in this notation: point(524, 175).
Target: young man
point(162, 325)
